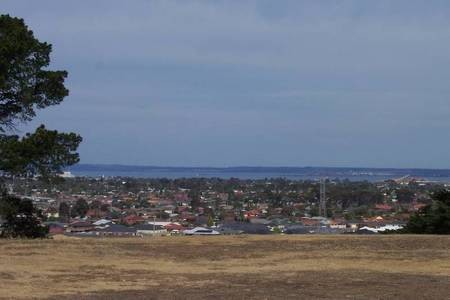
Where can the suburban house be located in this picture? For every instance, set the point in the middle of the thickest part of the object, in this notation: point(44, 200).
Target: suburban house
point(310, 221)
point(102, 222)
point(117, 230)
point(131, 220)
point(80, 226)
point(55, 228)
point(383, 207)
point(245, 227)
point(338, 224)
point(201, 231)
point(174, 227)
point(296, 229)
point(150, 229)
point(257, 220)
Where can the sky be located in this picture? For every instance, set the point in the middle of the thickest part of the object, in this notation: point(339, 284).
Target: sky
point(250, 83)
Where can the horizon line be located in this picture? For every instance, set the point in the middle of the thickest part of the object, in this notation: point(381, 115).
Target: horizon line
point(255, 166)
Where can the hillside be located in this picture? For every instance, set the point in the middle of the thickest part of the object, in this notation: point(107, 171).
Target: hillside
point(237, 267)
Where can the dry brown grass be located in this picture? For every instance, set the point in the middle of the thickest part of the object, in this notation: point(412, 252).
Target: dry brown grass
point(235, 267)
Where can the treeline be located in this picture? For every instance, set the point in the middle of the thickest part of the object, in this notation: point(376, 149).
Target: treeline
point(278, 192)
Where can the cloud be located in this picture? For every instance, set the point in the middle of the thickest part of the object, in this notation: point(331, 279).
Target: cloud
point(251, 82)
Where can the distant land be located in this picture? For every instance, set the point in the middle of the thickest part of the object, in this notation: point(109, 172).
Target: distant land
point(243, 172)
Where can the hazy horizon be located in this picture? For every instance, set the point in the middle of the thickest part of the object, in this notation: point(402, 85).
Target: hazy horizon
point(251, 166)
point(254, 83)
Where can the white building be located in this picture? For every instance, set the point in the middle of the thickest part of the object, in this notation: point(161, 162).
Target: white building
point(201, 231)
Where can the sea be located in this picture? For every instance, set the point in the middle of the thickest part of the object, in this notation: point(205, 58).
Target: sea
point(293, 173)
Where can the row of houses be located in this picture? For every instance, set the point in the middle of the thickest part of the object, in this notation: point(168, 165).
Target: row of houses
point(104, 227)
point(317, 225)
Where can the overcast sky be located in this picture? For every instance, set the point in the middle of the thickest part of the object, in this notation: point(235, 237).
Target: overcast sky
point(261, 83)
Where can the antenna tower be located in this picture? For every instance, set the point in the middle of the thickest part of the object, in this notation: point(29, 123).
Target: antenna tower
point(323, 199)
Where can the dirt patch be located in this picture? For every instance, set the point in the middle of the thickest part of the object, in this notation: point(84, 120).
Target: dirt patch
point(302, 285)
point(6, 276)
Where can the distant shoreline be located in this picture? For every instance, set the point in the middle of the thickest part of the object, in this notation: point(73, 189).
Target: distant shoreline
point(249, 168)
point(244, 172)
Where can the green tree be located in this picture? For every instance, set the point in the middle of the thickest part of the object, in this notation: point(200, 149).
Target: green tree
point(194, 195)
point(405, 195)
point(24, 83)
point(96, 204)
point(43, 153)
point(26, 86)
point(105, 207)
point(80, 208)
point(433, 218)
point(21, 219)
point(64, 210)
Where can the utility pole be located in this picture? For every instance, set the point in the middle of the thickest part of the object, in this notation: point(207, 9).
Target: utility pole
point(70, 213)
point(323, 199)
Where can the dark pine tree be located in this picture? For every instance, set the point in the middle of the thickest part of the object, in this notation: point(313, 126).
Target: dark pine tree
point(26, 86)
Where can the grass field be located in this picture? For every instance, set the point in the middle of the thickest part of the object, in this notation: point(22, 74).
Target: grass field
point(233, 267)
